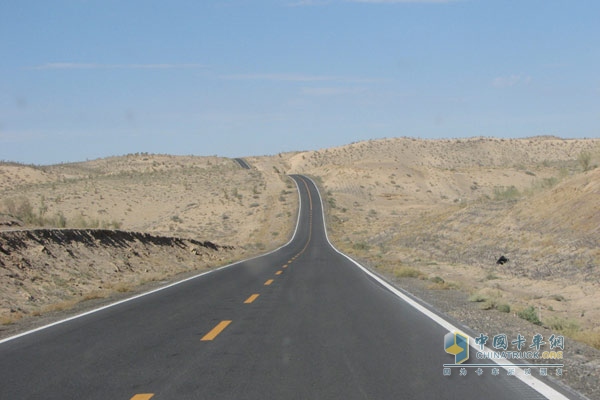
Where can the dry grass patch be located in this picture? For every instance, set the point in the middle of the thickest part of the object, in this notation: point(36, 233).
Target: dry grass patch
point(407, 272)
point(589, 337)
point(9, 319)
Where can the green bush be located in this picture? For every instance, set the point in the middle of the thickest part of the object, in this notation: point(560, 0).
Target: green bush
point(477, 298)
point(557, 297)
point(489, 304)
point(361, 246)
point(585, 159)
point(59, 220)
point(506, 193)
point(503, 308)
point(562, 325)
point(530, 315)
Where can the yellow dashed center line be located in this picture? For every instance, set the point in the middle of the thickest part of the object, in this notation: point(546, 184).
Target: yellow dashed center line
point(224, 324)
point(143, 396)
point(215, 331)
point(251, 298)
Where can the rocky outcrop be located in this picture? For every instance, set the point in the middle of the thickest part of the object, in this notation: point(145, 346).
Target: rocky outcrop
point(11, 241)
point(46, 269)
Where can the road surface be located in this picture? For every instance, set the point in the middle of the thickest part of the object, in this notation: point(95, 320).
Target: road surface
point(303, 322)
point(242, 163)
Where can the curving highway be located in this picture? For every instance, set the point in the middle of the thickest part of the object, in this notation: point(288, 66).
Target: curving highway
point(242, 163)
point(302, 322)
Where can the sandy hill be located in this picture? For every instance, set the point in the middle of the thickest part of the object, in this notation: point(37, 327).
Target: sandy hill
point(431, 204)
point(434, 171)
point(207, 198)
point(189, 199)
point(431, 215)
point(450, 208)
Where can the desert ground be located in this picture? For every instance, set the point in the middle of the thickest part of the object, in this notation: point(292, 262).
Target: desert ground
point(450, 208)
point(432, 216)
point(196, 199)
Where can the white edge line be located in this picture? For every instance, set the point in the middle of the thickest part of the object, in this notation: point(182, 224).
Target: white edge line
point(529, 380)
point(95, 310)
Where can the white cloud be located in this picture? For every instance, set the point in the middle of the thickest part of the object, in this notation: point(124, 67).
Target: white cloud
point(63, 66)
point(510, 81)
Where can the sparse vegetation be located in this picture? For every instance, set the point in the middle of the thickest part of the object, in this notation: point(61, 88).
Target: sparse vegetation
point(589, 337)
point(491, 276)
point(442, 207)
point(407, 272)
point(488, 304)
point(438, 283)
point(198, 197)
point(585, 160)
point(86, 264)
point(506, 193)
point(477, 298)
point(447, 209)
point(331, 202)
point(362, 246)
point(505, 308)
point(557, 297)
point(462, 204)
point(564, 326)
point(530, 314)
point(21, 209)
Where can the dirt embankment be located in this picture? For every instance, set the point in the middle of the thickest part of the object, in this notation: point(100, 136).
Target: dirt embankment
point(47, 270)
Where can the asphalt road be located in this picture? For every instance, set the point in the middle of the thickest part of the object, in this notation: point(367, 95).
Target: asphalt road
point(242, 163)
point(303, 322)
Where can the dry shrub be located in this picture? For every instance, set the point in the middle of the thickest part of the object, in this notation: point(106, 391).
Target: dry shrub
point(407, 272)
point(589, 337)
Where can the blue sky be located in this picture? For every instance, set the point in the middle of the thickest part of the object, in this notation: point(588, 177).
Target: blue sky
point(82, 79)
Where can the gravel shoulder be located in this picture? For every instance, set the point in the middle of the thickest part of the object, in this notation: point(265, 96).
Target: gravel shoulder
point(582, 362)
